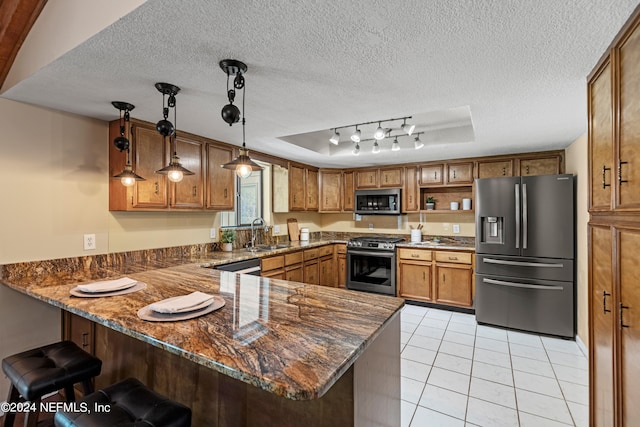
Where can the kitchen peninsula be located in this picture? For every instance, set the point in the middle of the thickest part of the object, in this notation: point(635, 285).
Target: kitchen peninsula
point(278, 352)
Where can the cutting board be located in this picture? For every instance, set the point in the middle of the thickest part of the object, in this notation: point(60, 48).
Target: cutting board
point(294, 230)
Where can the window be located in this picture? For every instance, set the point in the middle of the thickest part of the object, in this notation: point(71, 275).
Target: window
point(249, 198)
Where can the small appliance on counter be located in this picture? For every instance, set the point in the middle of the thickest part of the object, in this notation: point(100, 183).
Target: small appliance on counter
point(304, 234)
point(371, 264)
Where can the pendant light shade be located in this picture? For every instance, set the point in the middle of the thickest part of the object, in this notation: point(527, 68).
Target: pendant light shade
point(127, 177)
point(243, 165)
point(335, 138)
point(174, 170)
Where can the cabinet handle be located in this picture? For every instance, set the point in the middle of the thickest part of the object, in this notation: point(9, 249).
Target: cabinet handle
point(620, 180)
point(294, 198)
point(195, 190)
point(157, 187)
point(424, 276)
point(622, 307)
point(326, 200)
point(453, 258)
point(604, 180)
point(84, 339)
point(527, 170)
point(454, 174)
point(504, 171)
point(370, 179)
point(444, 278)
point(415, 255)
point(225, 193)
point(386, 178)
point(435, 175)
point(410, 198)
point(605, 294)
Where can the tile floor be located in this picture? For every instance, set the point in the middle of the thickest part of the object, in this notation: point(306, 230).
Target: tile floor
point(458, 373)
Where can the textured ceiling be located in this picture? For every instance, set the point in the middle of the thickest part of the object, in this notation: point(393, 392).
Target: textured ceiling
point(518, 68)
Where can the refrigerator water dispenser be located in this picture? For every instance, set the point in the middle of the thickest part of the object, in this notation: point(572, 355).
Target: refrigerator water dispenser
point(492, 229)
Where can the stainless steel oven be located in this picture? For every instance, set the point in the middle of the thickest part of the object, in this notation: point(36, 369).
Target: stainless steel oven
point(371, 264)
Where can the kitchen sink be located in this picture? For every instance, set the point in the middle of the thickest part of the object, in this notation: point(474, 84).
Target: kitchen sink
point(267, 248)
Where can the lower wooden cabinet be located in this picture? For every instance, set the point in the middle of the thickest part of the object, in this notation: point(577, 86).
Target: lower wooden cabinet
point(273, 267)
point(443, 277)
point(341, 255)
point(327, 266)
point(79, 330)
point(316, 266)
point(293, 269)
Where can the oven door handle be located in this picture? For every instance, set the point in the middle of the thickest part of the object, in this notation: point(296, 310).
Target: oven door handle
point(372, 253)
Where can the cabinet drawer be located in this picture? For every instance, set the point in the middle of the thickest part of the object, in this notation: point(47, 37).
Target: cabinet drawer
point(420, 254)
point(293, 258)
point(310, 254)
point(272, 263)
point(341, 248)
point(326, 250)
point(454, 257)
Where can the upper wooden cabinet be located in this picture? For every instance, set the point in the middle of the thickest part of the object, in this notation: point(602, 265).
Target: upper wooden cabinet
point(391, 177)
point(348, 192)
point(460, 173)
point(548, 165)
point(452, 173)
point(431, 175)
point(330, 191)
point(220, 181)
point(189, 193)
point(303, 188)
point(494, 168)
point(410, 193)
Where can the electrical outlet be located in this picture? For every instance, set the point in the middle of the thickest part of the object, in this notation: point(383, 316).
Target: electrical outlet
point(212, 233)
point(276, 229)
point(370, 226)
point(456, 228)
point(89, 242)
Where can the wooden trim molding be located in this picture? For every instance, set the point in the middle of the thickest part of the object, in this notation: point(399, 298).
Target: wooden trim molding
point(16, 19)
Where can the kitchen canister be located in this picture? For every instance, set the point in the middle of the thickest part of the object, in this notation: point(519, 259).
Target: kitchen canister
point(416, 236)
point(304, 234)
point(455, 206)
point(466, 204)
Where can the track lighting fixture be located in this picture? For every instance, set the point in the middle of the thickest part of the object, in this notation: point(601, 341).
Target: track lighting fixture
point(417, 144)
point(407, 128)
point(356, 149)
point(395, 146)
point(376, 148)
point(243, 165)
point(127, 177)
point(174, 170)
point(335, 138)
point(357, 135)
point(379, 133)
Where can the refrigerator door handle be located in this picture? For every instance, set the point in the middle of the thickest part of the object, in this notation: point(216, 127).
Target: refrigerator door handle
point(521, 264)
point(525, 223)
point(517, 216)
point(522, 285)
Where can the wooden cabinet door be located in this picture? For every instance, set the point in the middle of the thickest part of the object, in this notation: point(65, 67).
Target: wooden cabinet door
point(495, 168)
point(311, 203)
point(150, 153)
point(602, 174)
point(628, 153)
point(342, 270)
point(414, 281)
point(367, 178)
point(629, 325)
point(453, 284)
point(297, 184)
point(327, 271)
point(540, 166)
point(460, 173)
point(274, 274)
point(391, 178)
point(348, 202)
point(410, 192)
point(220, 181)
point(311, 272)
point(189, 193)
point(601, 321)
point(330, 191)
point(294, 273)
point(431, 175)
point(79, 330)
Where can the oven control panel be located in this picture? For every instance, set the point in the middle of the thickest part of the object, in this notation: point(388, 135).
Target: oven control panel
point(371, 245)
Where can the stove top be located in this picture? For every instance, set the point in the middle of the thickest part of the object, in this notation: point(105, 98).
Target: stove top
point(374, 242)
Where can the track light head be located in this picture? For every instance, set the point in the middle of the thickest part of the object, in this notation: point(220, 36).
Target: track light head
point(335, 138)
point(376, 148)
point(417, 143)
point(357, 135)
point(395, 146)
point(356, 150)
point(407, 128)
point(379, 133)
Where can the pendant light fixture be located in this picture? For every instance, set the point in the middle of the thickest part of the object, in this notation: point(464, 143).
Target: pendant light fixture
point(243, 165)
point(127, 177)
point(174, 170)
point(407, 128)
point(395, 146)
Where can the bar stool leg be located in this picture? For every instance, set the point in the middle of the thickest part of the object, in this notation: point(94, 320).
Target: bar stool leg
point(31, 418)
point(10, 417)
point(87, 387)
point(69, 393)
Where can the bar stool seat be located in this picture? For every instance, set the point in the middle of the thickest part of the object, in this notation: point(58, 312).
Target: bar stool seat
point(36, 372)
point(126, 403)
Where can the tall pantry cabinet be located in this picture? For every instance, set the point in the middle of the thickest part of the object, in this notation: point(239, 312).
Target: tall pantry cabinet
point(613, 92)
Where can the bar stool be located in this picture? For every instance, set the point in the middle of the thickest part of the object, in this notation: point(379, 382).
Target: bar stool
point(126, 403)
point(36, 372)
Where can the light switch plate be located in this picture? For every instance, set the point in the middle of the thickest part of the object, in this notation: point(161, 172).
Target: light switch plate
point(276, 229)
point(212, 233)
point(456, 228)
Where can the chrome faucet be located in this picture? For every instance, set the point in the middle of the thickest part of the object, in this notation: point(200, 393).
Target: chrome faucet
point(253, 230)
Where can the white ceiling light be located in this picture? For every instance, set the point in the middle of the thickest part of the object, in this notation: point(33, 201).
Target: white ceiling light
point(355, 137)
point(356, 150)
point(417, 143)
point(407, 128)
point(376, 148)
point(335, 138)
point(395, 146)
point(379, 133)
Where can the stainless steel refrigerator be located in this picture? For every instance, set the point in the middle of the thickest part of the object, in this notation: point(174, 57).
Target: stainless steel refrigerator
point(525, 250)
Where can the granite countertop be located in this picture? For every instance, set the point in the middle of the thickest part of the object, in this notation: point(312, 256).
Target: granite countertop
point(291, 339)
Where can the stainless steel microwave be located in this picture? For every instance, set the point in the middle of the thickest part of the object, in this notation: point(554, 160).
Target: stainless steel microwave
point(378, 202)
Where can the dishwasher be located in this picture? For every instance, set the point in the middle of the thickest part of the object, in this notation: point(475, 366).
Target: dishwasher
point(249, 266)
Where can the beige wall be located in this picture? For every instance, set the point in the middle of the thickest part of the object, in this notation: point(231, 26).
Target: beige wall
point(577, 163)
